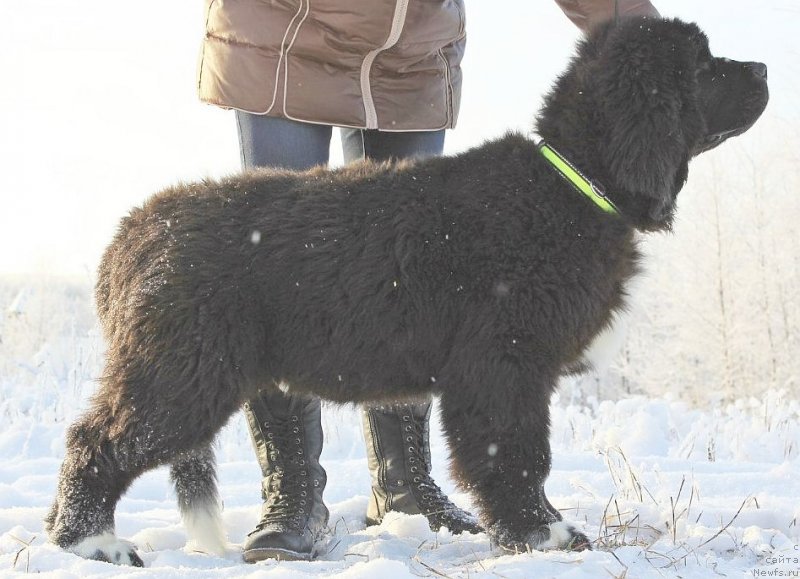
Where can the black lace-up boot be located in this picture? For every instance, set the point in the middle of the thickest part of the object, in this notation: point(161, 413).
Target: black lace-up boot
point(287, 436)
point(399, 458)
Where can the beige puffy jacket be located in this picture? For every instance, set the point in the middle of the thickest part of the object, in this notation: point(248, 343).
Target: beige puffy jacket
point(386, 64)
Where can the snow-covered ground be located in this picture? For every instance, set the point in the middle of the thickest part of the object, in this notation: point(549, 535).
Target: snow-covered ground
point(680, 459)
point(665, 489)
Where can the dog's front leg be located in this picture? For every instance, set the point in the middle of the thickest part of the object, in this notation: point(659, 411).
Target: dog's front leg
point(501, 454)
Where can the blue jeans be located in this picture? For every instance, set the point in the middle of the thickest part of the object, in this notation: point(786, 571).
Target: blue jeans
point(274, 142)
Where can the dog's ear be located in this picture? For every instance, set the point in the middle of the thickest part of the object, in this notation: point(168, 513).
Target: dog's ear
point(646, 81)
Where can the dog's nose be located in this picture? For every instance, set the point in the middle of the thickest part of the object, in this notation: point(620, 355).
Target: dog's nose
point(758, 68)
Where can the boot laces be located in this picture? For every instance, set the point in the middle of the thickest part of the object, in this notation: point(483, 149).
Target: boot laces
point(287, 499)
point(430, 495)
point(434, 504)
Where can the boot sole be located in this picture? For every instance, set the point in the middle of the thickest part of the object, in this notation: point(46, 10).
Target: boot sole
point(256, 555)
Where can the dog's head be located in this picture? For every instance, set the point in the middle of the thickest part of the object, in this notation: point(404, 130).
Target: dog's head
point(651, 97)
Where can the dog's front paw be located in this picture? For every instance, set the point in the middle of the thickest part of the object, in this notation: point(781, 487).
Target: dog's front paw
point(556, 535)
point(559, 535)
point(109, 549)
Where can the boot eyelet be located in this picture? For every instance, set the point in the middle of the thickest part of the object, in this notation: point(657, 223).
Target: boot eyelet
point(297, 440)
point(294, 419)
point(409, 439)
point(303, 494)
point(416, 479)
point(302, 462)
point(302, 502)
point(413, 469)
point(406, 418)
point(295, 430)
point(400, 483)
point(410, 449)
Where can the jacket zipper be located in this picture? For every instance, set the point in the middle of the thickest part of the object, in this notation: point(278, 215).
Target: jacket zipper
point(371, 116)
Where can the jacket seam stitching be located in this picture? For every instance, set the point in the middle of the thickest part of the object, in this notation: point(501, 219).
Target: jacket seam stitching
point(223, 40)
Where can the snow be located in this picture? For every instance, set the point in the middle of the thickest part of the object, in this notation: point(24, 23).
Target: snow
point(662, 486)
point(679, 457)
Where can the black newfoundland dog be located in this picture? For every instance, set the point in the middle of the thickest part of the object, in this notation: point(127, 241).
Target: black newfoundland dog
point(480, 277)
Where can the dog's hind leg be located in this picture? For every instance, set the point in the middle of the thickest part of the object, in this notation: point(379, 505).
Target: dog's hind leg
point(96, 471)
point(178, 365)
point(194, 475)
point(138, 421)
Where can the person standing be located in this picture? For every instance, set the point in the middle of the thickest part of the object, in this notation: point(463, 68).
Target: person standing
point(387, 72)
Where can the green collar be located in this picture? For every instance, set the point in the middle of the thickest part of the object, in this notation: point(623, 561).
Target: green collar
point(576, 179)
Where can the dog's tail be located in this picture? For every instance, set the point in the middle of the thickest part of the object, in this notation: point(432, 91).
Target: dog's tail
point(195, 478)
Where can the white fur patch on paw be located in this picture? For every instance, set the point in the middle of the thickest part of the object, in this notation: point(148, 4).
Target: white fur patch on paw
point(561, 535)
point(107, 547)
point(205, 531)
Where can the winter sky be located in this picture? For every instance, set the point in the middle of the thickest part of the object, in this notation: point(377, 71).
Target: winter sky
point(98, 106)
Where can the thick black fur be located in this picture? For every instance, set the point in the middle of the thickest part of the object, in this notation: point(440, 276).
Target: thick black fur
point(479, 277)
